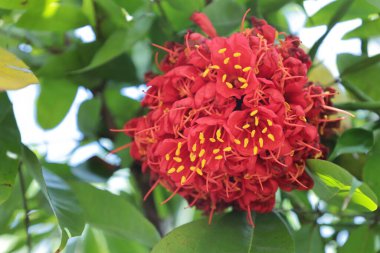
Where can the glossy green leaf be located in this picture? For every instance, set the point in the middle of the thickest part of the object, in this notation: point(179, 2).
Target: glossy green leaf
point(88, 9)
point(14, 73)
point(115, 215)
point(367, 30)
point(371, 173)
point(226, 15)
point(89, 116)
point(333, 183)
point(361, 240)
point(308, 239)
point(229, 233)
point(60, 197)
point(18, 4)
point(113, 12)
point(54, 17)
point(54, 101)
point(361, 72)
point(354, 140)
point(10, 148)
point(359, 9)
point(132, 6)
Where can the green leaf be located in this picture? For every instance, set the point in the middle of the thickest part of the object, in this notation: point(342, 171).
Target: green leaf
point(308, 239)
point(60, 197)
point(371, 173)
point(89, 116)
point(359, 9)
point(368, 29)
point(88, 9)
point(354, 140)
point(361, 240)
point(226, 15)
point(113, 11)
point(18, 4)
point(361, 72)
point(55, 17)
point(14, 73)
point(333, 183)
point(54, 101)
point(268, 6)
point(98, 241)
point(229, 233)
point(132, 6)
point(10, 148)
point(113, 214)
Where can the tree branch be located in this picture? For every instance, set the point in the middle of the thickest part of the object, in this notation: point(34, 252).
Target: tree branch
point(26, 209)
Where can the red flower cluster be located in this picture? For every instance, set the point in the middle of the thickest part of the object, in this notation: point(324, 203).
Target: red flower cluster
point(232, 119)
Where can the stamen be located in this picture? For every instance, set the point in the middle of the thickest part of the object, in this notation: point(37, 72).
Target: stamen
point(256, 121)
point(199, 171)
point(222, 50)
point(215, 151)
point(270, 123)
point(172, 170)
point(271, 137)
point(244, 86)
point(201, 138)
point(224, 77)
point(212, 139)
point(183, 180)
point(261, 142)
point(205, 73)
point(203, 163)
point(177, 159)
point(238, 142)
point(229, 85)
point(227, 149)
point(226, 60)
point(246, 126)
point(242, 79)
point(265, 129)
point(253, 132)
point(237, 54)
point(214, 67)
point(202, 152)
point(219, 157)
point(246, 141)
point(255, 150)
point(246, 69)
point(193, 157)
point(253, 113)
point(237, 66)
point(180, 168)
point(167, 157)
point(178, 151)
point(194, 148)
point(218, 135)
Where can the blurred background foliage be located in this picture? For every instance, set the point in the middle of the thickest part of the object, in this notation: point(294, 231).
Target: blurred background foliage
point(104, 47)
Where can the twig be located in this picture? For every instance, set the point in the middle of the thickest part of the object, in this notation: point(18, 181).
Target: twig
point(26, 209)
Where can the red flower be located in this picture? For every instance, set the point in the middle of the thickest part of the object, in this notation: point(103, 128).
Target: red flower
point(231, 119)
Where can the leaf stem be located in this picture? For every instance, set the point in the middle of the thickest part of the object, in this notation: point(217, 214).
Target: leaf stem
point(26, 209)
point(353, 106)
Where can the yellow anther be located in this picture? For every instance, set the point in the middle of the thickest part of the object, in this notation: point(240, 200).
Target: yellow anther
point(270, 123)
point(292, 153)
point(183, 180)
point(215, 151)
point(199, 171)
point(226, 149)
point(244, 86)
point(192, 168)
point(287, 106)
point(201, 138)
point(271, 137)
point(205, 73)
point(246, 141)
point(253, 113)
point(203, 163)
point(193, 157)
point(238, 142)
point(237, 54)
point(242, 79)
point(261, 142)
point(237, 66)
point(226, 60)
point(196, 46)
point(253, 132)
point(180, 168)
point(256, 121)
point(246, 126)
point(178, 151)
point(224, 78)
point(167, 157)
point(303, 118)
point(212, 140)
point(218, 157)
point(215, 67)
point(229, 85)
point(177, 159)
point(202, 152)
point(172, 170)
point(264, 130)
point(246, 69)
point(255, 150)
point(194, 148)
point(222, 50)
point(219, 135)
